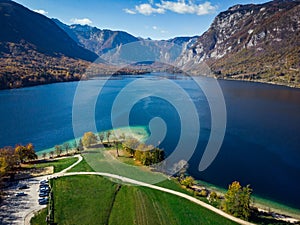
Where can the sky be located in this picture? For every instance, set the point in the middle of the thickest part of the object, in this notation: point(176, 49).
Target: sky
point(155, 19)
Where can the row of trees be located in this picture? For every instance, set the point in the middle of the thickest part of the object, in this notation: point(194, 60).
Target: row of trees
point(58, 149)
point(89, 138)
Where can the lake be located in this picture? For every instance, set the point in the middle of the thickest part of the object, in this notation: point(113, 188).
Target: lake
point(261, 145)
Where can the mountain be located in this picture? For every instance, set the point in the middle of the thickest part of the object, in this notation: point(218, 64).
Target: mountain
point(253, 42)
point(113, 45)
point(22, 25)
point(34, 50)
point(94, 39)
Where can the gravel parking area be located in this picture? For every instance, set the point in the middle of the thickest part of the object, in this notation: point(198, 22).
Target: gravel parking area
point(14, 209)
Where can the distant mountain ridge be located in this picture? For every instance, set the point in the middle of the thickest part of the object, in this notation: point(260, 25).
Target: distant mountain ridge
point(253, 42)
point(103, 41)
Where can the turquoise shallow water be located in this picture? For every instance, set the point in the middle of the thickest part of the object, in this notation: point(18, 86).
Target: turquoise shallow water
point(261, 145)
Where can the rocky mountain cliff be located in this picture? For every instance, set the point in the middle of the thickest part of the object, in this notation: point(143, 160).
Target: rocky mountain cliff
point(253, 42)
point(94, 39)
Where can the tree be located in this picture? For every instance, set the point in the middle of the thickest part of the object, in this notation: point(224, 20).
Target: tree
point(188, 181)
point(146, 158)
point(88, 139)
point(58, 150)
point(108, 133)
point(25, 153)
point(158, 155)
point(131, 145)
point(214, 199)
point(122, 137)
point(237, 200)
point(9, 161)
point(3, 166)
point(101, 137)
point(51, 154)
point(75, 144)
point(203, 193)
point(44, 155)
point(116, 143)
point(66, 147)
point(80, 145)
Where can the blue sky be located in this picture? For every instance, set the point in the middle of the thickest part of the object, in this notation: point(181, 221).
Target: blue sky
point(157, 19)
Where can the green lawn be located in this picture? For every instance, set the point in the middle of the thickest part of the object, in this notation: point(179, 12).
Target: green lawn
point(83, 166)
point(96, 200)
point(59, 164)
point(83, 199)
point(147, 206)
point(40, 217)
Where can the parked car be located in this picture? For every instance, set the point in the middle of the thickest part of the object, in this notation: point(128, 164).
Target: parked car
point(20, 194)
point(23, 186)
point(44, 189)
point(43, 201)
point(43, 194)
point(44, 182)
point(44, 185)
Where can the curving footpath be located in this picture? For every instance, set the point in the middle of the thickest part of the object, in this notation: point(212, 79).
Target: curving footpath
point(131, 181)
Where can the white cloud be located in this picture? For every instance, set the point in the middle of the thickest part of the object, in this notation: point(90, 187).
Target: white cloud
point(129, 11)
point(179, 6)
point(40, 11)
point(147, 9)
point(83, 21)
point(183, 7)
point(156, 28)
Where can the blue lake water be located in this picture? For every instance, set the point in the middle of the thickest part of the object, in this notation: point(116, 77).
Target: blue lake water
point(261, 145)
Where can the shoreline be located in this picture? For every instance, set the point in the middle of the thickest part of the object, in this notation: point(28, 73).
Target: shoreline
point(259, 201)
point(217, 78)
point(271, 83)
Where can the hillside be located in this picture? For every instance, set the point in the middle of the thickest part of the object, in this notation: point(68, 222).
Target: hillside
point(23, 26)
point(34, 50)
point(253, 42)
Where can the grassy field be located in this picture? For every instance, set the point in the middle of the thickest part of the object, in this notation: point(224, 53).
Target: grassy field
point(97, 200)
point(58, 164)
point(83, 166)
point(40, 218)
point(103, 161)
point(83, 199)
point(147, 206)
